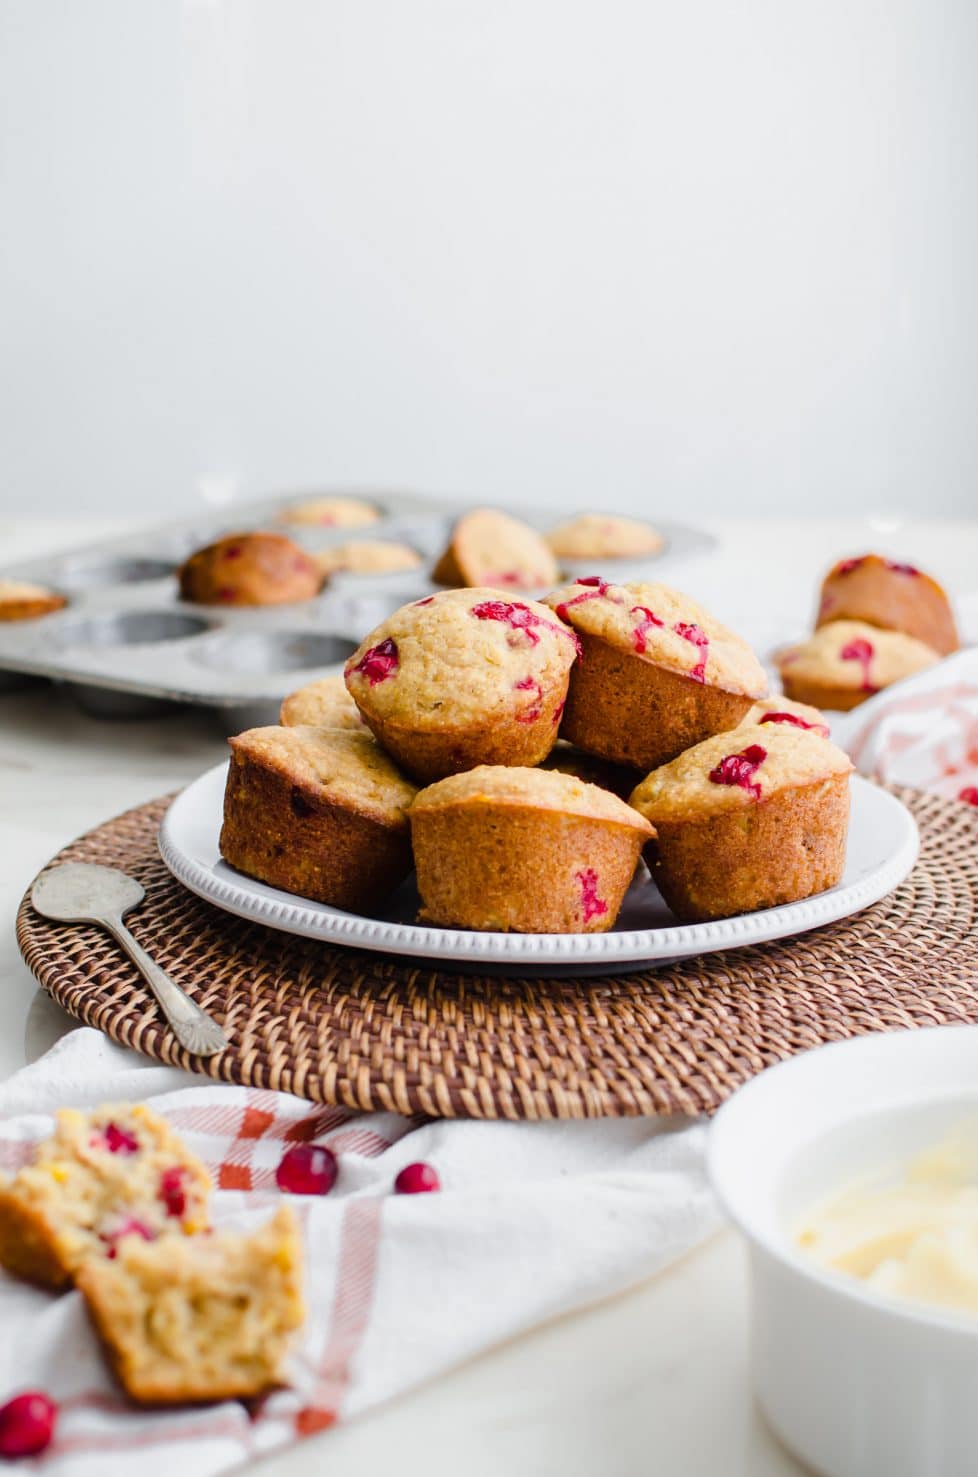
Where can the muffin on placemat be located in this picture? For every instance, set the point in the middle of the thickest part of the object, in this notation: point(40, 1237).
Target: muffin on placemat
point(376, 556)
point(780, 709)
point(317, 811)
point(657, 674)
point(322, 704)
point(250, 569)
point(523, 851)
point(207, 1319)
point(846, 662)
point(463, 678)
point(331, 512)
point(747, 820)
point(604, 536)
point(897, 597)
point(491, 548)
point(102, 1178)
point(21, 601)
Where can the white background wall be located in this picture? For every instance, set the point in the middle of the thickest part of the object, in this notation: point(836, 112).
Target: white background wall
point(684, 254)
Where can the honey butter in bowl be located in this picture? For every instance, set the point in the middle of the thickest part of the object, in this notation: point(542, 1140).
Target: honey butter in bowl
point(852, 1172)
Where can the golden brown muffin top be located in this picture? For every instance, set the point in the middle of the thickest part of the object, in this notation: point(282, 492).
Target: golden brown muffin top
point(494, 549)
point(322, 704)
point(852, 654)
point(333, 764)
point(662, 626)
point(368, 556)
point(532, 789)
point(331, 512)
point(781, 709)
point(604, 536)
point(258, 567)
point(734, 770)
point(461, 657)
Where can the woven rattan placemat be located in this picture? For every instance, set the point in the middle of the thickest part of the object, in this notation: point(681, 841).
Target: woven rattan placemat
point(338, 1026)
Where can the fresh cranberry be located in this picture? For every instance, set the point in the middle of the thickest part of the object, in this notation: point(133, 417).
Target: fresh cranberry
point(693, 633)
point(591, 905)
point(860, 651)
point(416, 1179)
point(532, 713)
point(307, 1169)
point(739, 769)
point(848, 565)
point(379, 663)
point(908, 569)
point(172, 1190)
point(117, 1140)
point(646, 622)
point(129, 1227)
point(27, 1424)
point(797, 722)
point(969, 794)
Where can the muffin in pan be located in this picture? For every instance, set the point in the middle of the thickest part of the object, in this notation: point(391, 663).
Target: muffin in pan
point(462, 678)
point(523, 851)
point(331, 512)
point(22, 601)
point(657, 672)
point(604, 536)
point(491, 548)
point(368, 556)
point(780, 709)
point(250, 569)
point(322, 704)
point(846, 662)
point(319, 812)
point(896, 597)
point(746, 820)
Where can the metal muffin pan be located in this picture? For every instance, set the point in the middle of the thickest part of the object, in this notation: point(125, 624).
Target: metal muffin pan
point(126, 645)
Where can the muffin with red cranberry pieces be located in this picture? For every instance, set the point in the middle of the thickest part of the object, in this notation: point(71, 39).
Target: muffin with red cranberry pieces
point(746, 820)
point(321, 812)
point(780, 709)
point(322, 704)
point(491, 548)
point(604, 536)
point(463, 678)
point(846, 662)
point(23, 601)
point(250, 569)
point(657, 674)
point(331, 512)
point(524, 851)
point(368, 556)
point(894, 596)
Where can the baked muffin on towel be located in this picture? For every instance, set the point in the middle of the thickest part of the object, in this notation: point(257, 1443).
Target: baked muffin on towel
point(331, 512)
point(250, 569)
point(523, 851)
point(491, 548)
point(748, 819)
point(897, 597)
point(846, 662)
point(779, 709)
point(319, 812)
point(462, 678)
point(103, 1178)
point(21, 601)
point(657, 674)
point(205, 1319)
point(323, 704)
point(604, 536)
point(368, 556)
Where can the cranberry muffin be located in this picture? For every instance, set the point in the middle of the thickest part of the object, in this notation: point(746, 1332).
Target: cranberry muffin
point(20, 601)
point(331, 512)
point(462, 678)
point(896, 597)
point(322, 704)
point(523, 851)
point(207, 1319)
point(377, 556)
point(104, 1177)
point(657, 673)
point(846, 662)
point(779, 709)
point(747, 820)
point(250, 569)
point(320, 812)
point(604, 536)
point(491, 548)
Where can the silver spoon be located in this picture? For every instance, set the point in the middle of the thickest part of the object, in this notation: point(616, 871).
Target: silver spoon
point(78, 892)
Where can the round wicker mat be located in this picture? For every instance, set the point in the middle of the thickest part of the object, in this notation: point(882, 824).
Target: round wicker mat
point(338, 1026)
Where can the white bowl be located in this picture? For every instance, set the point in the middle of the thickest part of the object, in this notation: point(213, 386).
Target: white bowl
point(856, 1383)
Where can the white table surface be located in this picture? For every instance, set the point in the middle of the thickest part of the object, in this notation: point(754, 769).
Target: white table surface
point(654, 1380)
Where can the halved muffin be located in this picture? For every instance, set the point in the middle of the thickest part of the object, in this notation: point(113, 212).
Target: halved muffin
point(322, 704)
point(748, 819)
point(846, 662)
point(657, 674)
point(896, 597)
point(491, 548)
point(523, 851)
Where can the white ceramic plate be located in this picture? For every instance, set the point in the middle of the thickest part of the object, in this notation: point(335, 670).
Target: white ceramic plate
point(882, 849)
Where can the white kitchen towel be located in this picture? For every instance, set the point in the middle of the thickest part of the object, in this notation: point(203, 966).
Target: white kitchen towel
point(533, 1220)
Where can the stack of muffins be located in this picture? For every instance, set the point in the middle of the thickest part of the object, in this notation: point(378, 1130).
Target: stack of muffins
point(522, 756)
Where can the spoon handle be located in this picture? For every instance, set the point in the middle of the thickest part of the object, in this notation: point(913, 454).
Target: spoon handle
point(193, 1027)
